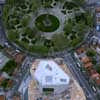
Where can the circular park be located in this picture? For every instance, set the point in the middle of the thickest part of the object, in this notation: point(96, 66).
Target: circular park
point(42, 27)
point(47, 23)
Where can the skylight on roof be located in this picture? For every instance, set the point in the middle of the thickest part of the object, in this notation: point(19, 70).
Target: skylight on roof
point(49, 67)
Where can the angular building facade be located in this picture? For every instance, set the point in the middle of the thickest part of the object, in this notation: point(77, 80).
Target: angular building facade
point(51, 79)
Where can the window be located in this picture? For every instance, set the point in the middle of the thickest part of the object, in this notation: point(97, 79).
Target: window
point(63, 80)
point(48, 90)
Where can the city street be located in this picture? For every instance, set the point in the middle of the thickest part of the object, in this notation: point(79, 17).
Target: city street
point(2, 34)
point(23, 76)
point(79, 76)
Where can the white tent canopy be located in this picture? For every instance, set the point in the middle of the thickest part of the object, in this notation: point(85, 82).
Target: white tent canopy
point(49, 73)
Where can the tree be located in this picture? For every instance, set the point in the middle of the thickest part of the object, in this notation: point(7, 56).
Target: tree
point(80, 2)
point(60, 41)
point(14, 2)
point(35, 4)
point(1, 47)
point(97, 67)
point(13, 35)
point(28, 30)
point(91, 53)
point(25, 21)
point(75, 41)
point(5, 13)
point(89, 20)
point(39, 49)
point(80, 27)
point(9, 67)
point(47, 3)
point(68, 27)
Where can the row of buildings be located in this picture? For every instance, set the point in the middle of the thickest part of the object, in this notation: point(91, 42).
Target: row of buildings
point(95, 40)
point(6, 80)
point(87, 64)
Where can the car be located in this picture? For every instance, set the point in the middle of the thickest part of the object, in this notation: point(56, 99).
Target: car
point(7, 44)
point(94, 89)
point(78, 64)
point(18, 51)
point(75, 54)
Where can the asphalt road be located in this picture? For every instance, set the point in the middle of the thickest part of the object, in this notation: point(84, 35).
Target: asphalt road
point(2, 33)
point(69, 61)
point(79, 76)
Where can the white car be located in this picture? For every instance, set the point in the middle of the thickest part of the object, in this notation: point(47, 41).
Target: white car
point(94, 89)
point(7, 44)
point(17, 51)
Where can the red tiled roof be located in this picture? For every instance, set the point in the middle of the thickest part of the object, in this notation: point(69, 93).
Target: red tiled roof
point(85, 59)
point(97, 10)
point(88, 65)
point(93, 71)
point(96, 77)
point(2, 97)
point(19, 58)
point(80, 50)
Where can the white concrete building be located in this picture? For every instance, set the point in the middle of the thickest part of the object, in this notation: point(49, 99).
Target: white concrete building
point(51, 79)
point(2, 1)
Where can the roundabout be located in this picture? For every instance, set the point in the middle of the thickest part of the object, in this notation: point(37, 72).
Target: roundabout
point(43, 27)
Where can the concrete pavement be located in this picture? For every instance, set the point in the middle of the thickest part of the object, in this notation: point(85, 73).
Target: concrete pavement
point(79, 76)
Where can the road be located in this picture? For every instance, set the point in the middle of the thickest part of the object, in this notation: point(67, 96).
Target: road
point(79, 76)
point(2, 34)
point(68, 59)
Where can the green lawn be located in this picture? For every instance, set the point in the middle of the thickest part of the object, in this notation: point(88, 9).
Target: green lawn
point(9, 67)
point(42, 23)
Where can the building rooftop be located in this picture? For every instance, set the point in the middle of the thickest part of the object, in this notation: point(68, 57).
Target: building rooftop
point(85, 59)
point(80, 50)
point(88, 65)
point(74, 91)
point(48, 72)
point(19, 58)
point(96, 77)
point(97, 10)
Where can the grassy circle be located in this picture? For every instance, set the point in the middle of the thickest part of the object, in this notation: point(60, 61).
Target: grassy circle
point(47, 23)
point(70, 5)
